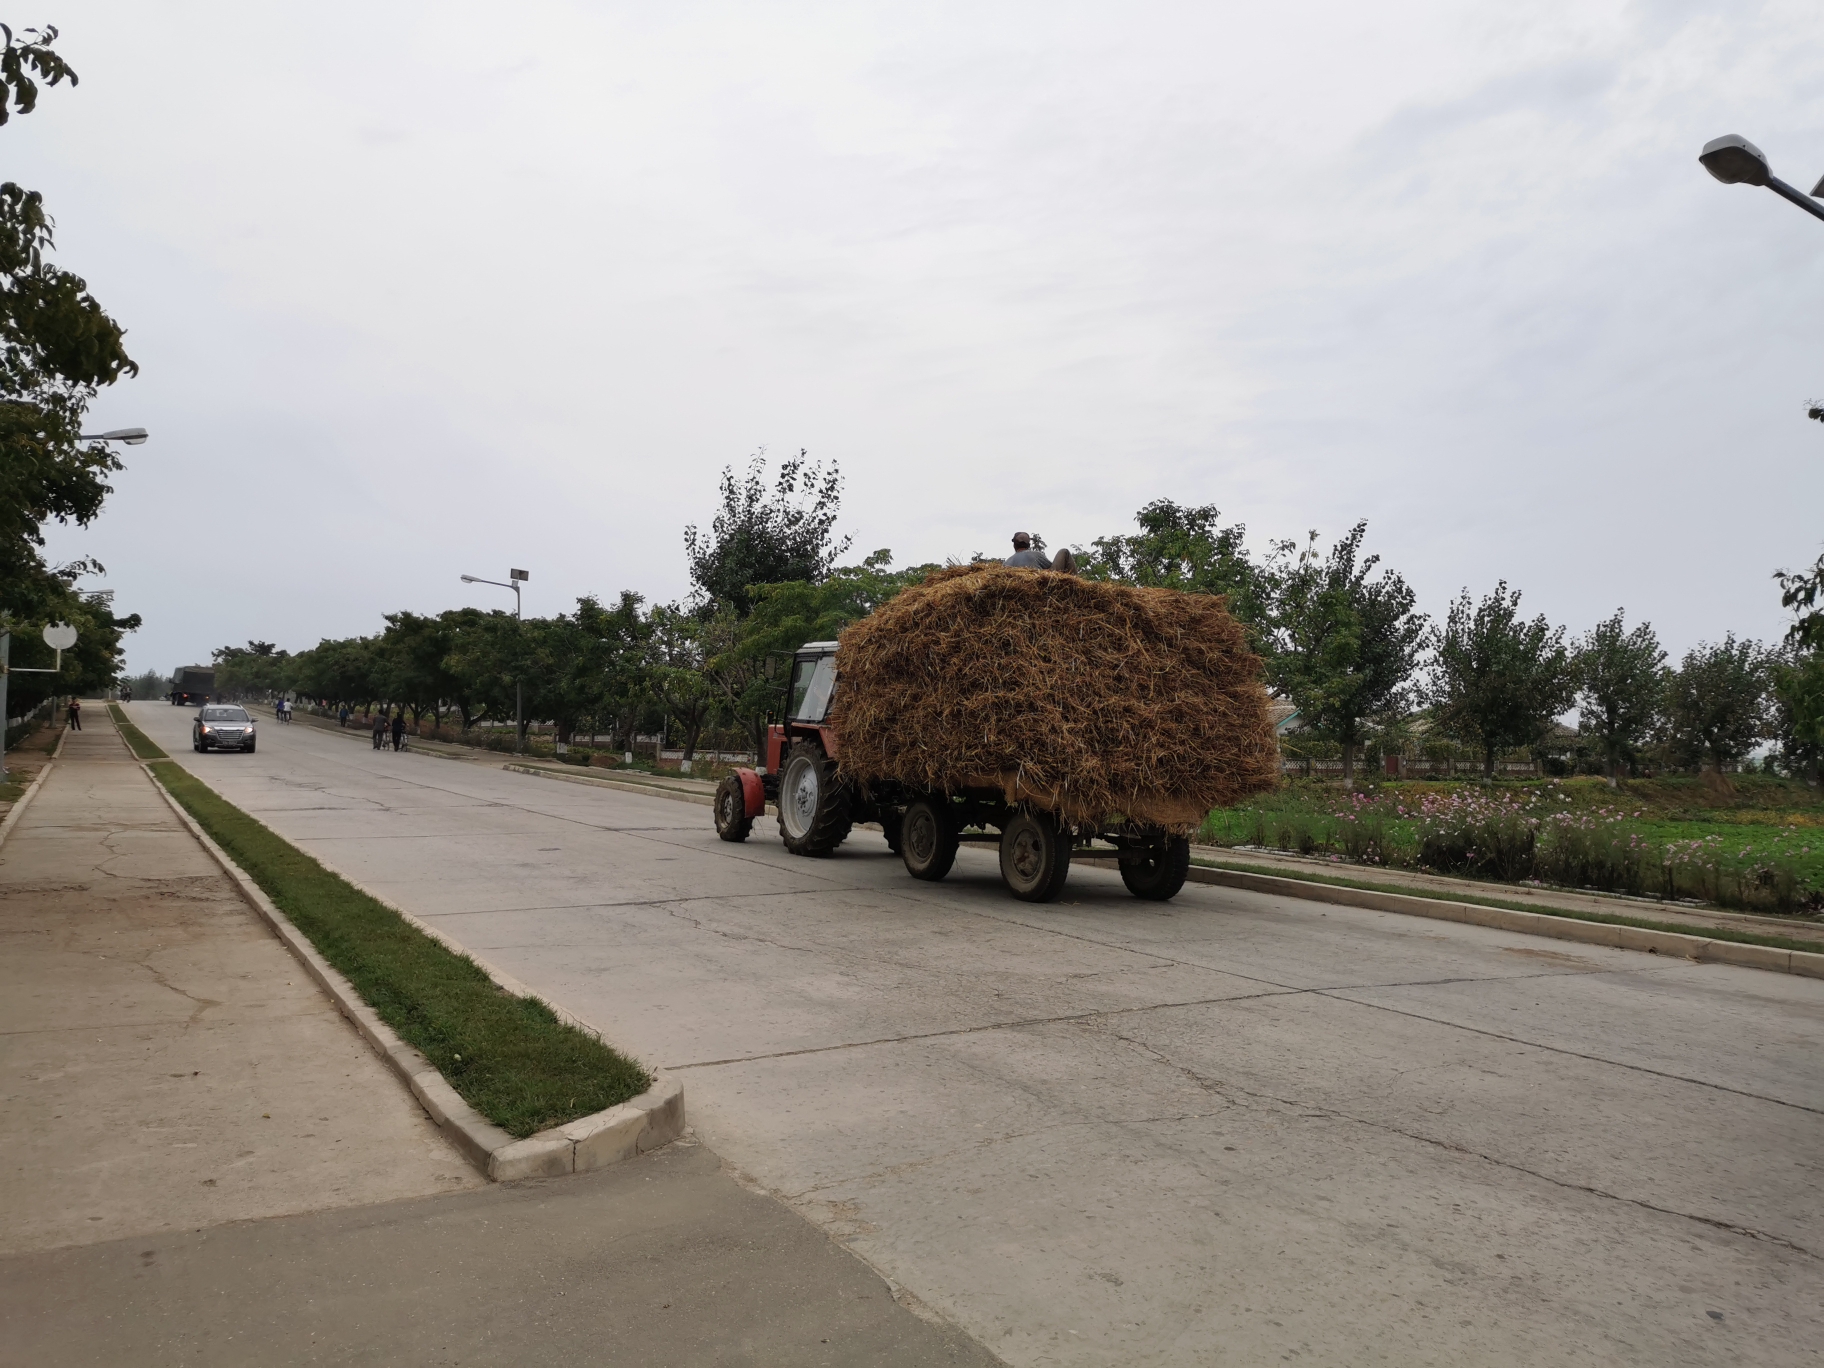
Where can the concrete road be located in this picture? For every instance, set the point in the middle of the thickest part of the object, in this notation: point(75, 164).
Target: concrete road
point(1232, 1129)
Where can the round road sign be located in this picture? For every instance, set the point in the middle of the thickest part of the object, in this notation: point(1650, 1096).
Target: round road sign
point(60, 636)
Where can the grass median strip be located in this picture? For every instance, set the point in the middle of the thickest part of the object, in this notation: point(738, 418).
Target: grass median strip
point(509, 1057)
point(1570, 914)
point(137, 741)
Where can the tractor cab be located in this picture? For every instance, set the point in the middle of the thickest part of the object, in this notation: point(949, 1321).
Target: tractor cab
point(799, 770)
point(808, 694)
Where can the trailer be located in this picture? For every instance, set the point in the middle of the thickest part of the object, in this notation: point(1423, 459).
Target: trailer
point(192, 685)
point(817, 807)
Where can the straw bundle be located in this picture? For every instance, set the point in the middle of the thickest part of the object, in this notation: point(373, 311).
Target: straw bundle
point(1091, 700)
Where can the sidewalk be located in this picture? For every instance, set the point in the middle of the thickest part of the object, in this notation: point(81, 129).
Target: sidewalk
point(164, 1063)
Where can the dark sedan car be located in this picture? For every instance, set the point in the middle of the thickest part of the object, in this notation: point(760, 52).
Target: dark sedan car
point(222, 726)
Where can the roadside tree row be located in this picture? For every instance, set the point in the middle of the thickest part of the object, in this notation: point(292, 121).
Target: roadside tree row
point(1341, 635)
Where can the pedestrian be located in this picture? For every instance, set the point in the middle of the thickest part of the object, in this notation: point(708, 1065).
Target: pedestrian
point(380, 730)
point(345, 714)
point(75, 713)
point(399, 730)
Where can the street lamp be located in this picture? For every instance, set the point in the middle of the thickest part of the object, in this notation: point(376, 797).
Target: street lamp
point(514, 579)
point(1733, 160)
point(131, 436)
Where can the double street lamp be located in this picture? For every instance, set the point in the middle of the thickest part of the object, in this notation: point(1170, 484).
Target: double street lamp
point(514, 579)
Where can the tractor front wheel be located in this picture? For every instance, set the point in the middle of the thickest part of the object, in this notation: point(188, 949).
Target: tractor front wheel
point(1035, 857)
point(732, 821)
point(813, 807)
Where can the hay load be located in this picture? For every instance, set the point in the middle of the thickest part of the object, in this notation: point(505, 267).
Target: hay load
point(1089, 699)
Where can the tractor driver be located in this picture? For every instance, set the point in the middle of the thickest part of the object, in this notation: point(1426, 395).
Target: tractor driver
point(1023, 554)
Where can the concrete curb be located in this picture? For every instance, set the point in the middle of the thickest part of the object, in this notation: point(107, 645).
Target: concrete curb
point(646, 1122)
point(31, 789)
point(1801, 962)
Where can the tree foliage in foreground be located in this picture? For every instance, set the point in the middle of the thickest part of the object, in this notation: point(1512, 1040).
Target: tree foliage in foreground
point(58, 348)
point(1798, 712)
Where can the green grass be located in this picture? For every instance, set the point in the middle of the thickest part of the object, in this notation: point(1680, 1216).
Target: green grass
point(1571, 914)
point(509, 1057)
point(137, 741)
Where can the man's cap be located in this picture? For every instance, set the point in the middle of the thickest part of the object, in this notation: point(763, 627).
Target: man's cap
point(1021, 537)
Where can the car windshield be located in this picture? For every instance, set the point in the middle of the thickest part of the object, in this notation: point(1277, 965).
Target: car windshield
point(225, 715)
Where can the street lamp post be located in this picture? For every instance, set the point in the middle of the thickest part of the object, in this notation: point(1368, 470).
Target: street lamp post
point(1733, 160)
point(514, 579)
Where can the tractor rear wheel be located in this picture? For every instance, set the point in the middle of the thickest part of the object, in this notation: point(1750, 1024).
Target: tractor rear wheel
point(1157, 872)
point(732, 821)
point(927, 839)
point(1035, 857)
point(813, 806)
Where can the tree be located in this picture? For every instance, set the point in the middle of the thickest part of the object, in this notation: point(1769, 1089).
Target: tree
point(1801, 591)
point(762, 538)
point(58, 346)
point(626, 691)
point(1497, 682)
point(1621, 689)
point(258, 668)
point(336, 671)
point(783, 618)
point(492, 652)
point(93, 664)
point(1343, 646)
point(675, 671)
point(1188, 549)
point(1798, 720)
point(1717, 701)
point(410, 663)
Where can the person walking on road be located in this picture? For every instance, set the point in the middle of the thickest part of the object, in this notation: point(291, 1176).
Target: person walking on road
point(380, 731)
point(399, 730)
point(344, 714)
point(75, 713)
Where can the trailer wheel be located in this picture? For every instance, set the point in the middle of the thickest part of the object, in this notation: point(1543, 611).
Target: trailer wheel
point(732, 821)
point(927, 839)
point(1157, 872)
point(813, 808)
point(1035, 857)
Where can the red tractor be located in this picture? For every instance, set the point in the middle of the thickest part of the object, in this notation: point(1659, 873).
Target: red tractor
point(817, 807)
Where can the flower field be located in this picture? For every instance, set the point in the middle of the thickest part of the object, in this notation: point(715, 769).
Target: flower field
point(1759, 847)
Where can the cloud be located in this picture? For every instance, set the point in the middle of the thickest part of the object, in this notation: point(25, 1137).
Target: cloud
point(429, 294)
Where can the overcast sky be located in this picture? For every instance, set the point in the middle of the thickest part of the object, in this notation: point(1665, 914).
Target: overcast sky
point(425, 290)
